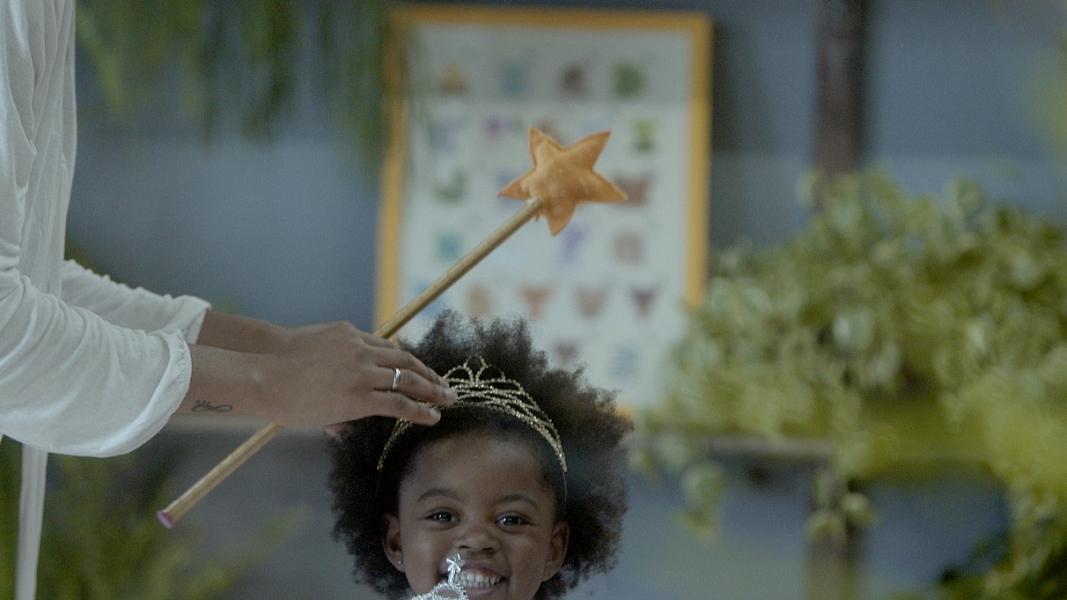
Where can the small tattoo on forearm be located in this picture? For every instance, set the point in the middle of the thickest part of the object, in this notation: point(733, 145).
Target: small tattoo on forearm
point(205, 406)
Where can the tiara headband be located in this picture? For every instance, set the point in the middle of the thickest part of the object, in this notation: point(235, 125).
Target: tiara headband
point(474, 389)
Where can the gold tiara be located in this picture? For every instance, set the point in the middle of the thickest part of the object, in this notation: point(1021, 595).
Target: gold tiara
point(475, 389)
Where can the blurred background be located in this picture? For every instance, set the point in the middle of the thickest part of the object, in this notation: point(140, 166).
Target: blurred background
point(255, 187)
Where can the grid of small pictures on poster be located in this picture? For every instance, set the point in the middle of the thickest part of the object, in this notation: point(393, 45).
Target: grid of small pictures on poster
point(608, 291)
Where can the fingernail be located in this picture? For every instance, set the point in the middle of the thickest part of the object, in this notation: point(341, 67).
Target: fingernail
point(450, 395)
point(435, 413)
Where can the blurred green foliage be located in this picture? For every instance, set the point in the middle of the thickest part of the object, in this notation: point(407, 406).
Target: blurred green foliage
point(242, 64)
point(102, 541)
point(914, 333)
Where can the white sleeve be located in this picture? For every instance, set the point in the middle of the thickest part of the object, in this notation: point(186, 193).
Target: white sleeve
point(131, 308)
point(70, 382)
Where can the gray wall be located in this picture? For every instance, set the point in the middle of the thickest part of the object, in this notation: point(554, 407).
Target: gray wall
point(286, 232)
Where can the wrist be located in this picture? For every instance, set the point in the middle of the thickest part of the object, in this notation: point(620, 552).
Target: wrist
point(226, 381)
point(265, 385)
point(243, 334)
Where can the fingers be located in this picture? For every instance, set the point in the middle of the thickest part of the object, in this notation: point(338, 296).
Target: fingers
point(396, 404)
point(416, 386)
point(407, 361)
point(394, 357)
point(338, 373)
point(372, 340)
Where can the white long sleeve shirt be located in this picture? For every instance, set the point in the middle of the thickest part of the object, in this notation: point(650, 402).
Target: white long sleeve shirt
point(87, 366)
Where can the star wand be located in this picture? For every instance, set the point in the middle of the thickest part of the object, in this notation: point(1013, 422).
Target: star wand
point(561, 178)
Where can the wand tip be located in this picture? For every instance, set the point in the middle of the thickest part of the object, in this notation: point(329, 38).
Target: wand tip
point(564, 177)
point(165, 519)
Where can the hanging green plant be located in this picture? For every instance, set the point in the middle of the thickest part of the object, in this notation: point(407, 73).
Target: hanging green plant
point(909, 334)
point(242, 64)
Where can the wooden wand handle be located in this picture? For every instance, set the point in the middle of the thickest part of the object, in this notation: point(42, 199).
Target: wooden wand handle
point(170, 515)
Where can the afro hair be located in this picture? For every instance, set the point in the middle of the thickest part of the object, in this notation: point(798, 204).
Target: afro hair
point(590, 429)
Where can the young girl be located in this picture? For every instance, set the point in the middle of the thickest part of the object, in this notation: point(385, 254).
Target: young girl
point(518, 491)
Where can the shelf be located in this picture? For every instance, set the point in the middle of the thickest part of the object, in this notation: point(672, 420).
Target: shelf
point(230, 424)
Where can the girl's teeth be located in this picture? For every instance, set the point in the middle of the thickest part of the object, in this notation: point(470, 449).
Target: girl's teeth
point(476, 580)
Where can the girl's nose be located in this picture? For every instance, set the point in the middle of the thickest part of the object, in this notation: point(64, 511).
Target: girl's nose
point(477, 537)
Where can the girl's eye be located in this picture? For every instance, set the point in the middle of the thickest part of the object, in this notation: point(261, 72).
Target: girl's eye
point(512, 520)
point(441, 516)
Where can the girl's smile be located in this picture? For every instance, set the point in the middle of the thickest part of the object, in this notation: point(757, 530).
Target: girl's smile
point(486, 499)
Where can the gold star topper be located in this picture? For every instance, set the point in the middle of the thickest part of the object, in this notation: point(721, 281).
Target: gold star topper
point(563, 177)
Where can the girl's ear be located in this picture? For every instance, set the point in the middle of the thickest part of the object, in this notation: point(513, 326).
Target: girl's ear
point(557, 549)
point(391, 541)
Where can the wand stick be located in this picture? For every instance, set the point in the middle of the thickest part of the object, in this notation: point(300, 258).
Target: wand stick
point(170, 515)
point(560, 179)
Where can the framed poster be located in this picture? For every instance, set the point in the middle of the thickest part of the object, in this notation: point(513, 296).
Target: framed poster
point(610, 290)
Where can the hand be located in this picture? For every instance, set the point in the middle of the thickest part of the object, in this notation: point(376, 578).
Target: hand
point(321, 375)
point(332, 373)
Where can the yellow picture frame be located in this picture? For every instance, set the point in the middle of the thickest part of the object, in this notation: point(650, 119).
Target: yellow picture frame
point(597, 38)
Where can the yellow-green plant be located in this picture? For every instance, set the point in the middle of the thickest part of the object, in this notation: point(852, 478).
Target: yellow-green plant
point(911, 333)
point(102, 541)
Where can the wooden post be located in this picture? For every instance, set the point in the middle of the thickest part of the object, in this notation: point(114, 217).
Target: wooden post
point(839, 68)
point(833, 564)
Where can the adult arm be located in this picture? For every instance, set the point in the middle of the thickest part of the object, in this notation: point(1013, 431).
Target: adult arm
point(69, 381)
point(307, 376)
point(313, 376)
point(132, 308)
point(74, 383)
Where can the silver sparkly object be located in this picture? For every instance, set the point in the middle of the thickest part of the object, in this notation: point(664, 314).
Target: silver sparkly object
point(476, 388)
point(447, 590)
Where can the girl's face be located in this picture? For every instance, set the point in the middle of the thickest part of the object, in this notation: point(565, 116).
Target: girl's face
point(487, 500)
